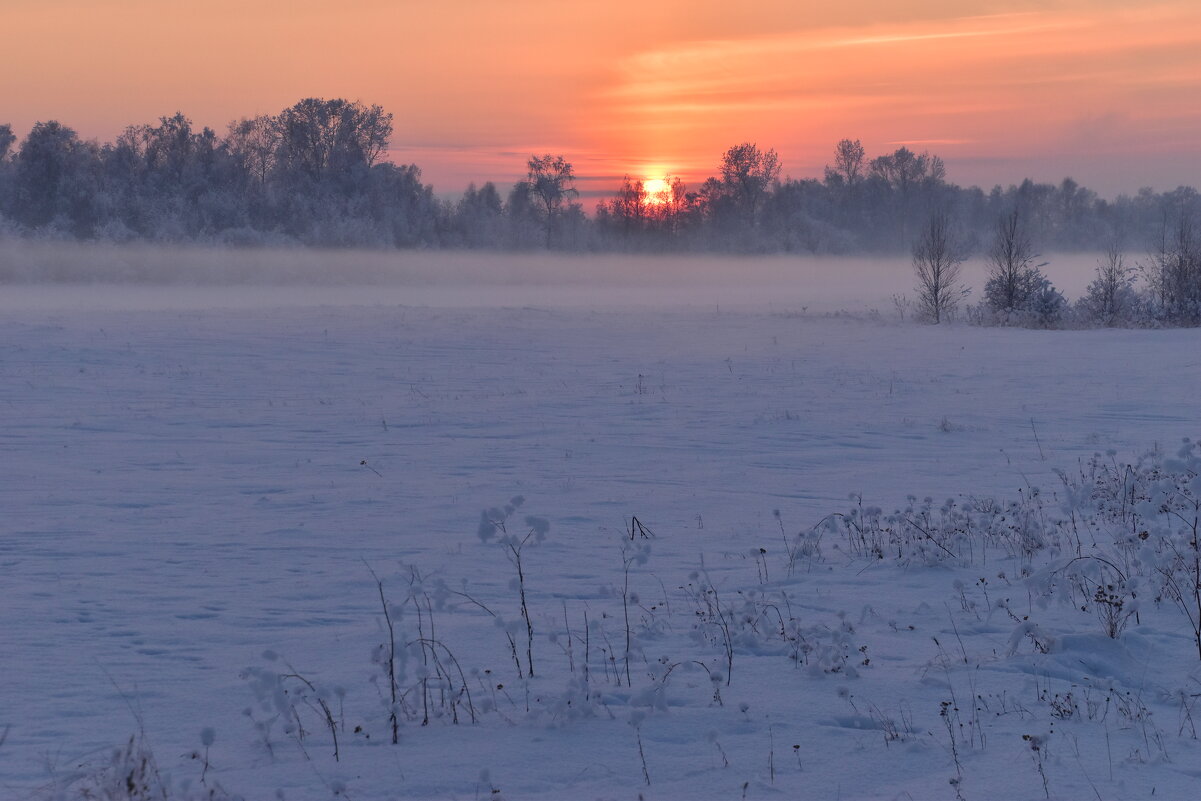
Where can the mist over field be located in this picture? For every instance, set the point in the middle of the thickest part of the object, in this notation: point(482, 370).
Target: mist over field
point(141, 276)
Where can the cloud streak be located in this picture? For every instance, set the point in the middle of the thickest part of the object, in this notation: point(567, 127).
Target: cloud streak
point(980, 86)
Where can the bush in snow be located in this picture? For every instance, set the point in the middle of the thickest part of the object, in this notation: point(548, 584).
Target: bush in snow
point(1123, 533)
point(132, 774)
point(1013, 277)
point(1110, 298)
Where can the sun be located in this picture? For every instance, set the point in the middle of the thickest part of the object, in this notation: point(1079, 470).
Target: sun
point(654, 186)
point(657, 190)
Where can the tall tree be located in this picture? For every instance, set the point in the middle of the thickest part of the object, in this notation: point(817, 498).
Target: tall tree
point(478, 216)
point(937, 262)
point(904, 169)
point(628, 209)
point(551, 183)
point(1013, 277)
point(848, 166)
point(748, 174)
point(668, 206)
point(321, 139)
point(57, 177)
point(254, 143)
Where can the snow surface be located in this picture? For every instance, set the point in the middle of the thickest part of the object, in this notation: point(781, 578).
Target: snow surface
point(194, 477)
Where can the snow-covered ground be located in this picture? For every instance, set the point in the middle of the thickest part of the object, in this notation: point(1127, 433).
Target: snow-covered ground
point(199, 483)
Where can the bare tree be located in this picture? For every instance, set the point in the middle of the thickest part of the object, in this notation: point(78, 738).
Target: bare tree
point(318, 137)
point(253, 142)
point(904, 169)
point(1014, 279)
point(937, 262)
point(1173, 270)
point(747, 174)
point(669, 204)
point(848, 163)
point(1109, 296)
point(629, 206)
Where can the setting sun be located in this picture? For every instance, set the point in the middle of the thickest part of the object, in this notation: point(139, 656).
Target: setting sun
point(657, 190)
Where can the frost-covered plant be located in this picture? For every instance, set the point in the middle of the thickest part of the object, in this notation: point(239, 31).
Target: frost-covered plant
point(1047, 306)
point(1115, 535)
point(436, 685)
point(636, 718)
point(962, 533)
point(1118, 527)
point(633, 552)
point(805, 545)
point(289, 699)
point(712, 620)
point(1038, 752)
point(1040, 304)
point(494, 523)
point(1143, 519)
point(132, 774)
point(1174, 514)
point(1110, 298)
point(828, 649)
point(1100, 586)
point(1017, 292)
point(1172, 273)
point(1013, 277)
point(578, 700)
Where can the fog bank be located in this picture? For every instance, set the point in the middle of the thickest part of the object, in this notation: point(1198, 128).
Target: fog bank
point(66, 275)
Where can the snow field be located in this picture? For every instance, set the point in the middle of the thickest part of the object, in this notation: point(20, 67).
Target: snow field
point(187, 490)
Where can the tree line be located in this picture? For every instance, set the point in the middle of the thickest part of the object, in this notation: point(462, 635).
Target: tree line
point(316, 174)
point(1161, 287)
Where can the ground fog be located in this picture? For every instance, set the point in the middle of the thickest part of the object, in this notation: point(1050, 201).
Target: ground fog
point(42, 275)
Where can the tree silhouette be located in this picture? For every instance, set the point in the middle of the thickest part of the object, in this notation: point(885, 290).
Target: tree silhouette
point(551, 182)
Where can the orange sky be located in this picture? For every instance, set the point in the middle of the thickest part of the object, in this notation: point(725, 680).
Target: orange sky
point(1107, 91)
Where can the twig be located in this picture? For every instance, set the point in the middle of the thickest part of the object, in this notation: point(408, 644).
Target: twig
point(1041, 455)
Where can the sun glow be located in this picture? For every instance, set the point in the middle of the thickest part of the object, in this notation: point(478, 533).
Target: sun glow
point(654, 186)
point(657, 191)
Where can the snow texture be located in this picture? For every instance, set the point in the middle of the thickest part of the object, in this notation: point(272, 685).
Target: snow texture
point(199, 498)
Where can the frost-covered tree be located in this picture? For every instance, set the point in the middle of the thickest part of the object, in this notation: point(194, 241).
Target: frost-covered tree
point(325, 139)
point(57, 180)
point(1173, 269)
point(849, 161)
point(1110, 296)
point(402, 208)
point(747, 175)
point(478, 217)
point(524, 226)
point(1013, 277)
point(254, 143)
point(626, 214)
point(937, 263)
point(551, 185)
point(903, 170)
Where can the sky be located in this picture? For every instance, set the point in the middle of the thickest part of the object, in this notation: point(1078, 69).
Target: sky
point(1105, 91)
